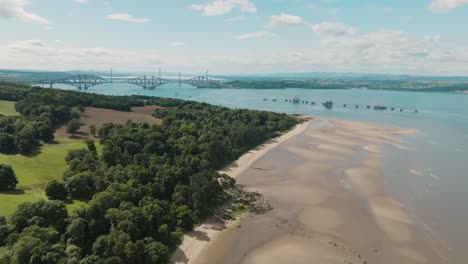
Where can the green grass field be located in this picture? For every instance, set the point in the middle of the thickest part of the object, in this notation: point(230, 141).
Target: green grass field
point(7, 108)
point(35, 172)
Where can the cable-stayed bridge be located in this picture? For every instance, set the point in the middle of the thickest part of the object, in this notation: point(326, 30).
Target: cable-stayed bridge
point(85, 81)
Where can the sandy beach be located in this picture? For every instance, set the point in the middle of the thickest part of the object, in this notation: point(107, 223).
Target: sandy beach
point(324, 182)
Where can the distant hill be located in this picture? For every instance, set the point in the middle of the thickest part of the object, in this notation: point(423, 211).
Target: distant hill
point(311, 80)
point(30, 76)
point(337, 75)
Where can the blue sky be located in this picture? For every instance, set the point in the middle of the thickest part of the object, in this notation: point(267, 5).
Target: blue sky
point(236, 36)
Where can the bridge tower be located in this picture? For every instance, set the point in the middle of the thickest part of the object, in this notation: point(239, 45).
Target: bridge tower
point(159, 75)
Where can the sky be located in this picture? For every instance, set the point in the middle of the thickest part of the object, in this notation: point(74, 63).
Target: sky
point(423, 37)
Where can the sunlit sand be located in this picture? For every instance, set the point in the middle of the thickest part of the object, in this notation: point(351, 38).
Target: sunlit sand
point(329, 204)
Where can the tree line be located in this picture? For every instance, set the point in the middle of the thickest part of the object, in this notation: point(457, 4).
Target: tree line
point(42, 110)
point(150, 184)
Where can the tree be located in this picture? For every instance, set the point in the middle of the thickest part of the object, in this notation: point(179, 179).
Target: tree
point(90, 144)
point(5, 231)
point(8, 180)
point(80, 186)
point(73, 126)
point(56, 191)
point(91, 259)
point(73, 254)
point(113, 260)
point(35, 245)
point(41, 213)
point(46, 132)
point(92, 130)
point(204, 189)
point(7, 143)
point(26, 139)
point(81, 108)
point(184, 217)
point(76, 232)
point(156, 252)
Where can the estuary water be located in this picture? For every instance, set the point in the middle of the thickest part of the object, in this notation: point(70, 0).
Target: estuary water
point(428, 173)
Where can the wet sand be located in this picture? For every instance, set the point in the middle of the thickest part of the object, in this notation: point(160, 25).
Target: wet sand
point(324, 182)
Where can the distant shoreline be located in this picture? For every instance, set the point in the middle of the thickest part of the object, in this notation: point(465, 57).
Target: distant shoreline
point(343, 84)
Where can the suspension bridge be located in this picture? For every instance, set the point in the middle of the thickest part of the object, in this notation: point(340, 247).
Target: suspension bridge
point(85, 81)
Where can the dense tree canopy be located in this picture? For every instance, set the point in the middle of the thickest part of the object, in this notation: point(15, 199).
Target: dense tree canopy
point(149, 185)
point(55, 190)
point(8, 180)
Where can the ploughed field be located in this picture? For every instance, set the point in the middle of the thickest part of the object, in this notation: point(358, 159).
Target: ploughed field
point(100, 116)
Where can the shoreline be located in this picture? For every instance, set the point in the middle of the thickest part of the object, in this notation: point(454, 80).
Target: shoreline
point(245, 161)
point(317, 178)
point(192, 244)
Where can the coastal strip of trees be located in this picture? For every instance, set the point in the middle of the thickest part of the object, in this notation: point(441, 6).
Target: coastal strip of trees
point(283, 84)
point(150, 184)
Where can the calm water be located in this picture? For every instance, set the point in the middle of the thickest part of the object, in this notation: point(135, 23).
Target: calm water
point(435, 194)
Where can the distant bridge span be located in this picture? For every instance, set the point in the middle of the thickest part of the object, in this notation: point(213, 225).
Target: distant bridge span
point(84, 81)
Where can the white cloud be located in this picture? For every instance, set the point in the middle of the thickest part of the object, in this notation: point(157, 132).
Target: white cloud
point(177, 44)
point(35, 54)
point(126, 18)
point(442, 6)
point(258, 34)
point(81, 1)
point(392, 51)
point(15, 9)
point(31, 42)
point(221, 7)
point(285, 20)
point(333, 28)
point(384, 51)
